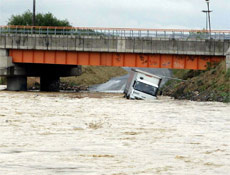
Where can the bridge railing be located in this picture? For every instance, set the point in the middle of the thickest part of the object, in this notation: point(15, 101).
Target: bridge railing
point(118, 32)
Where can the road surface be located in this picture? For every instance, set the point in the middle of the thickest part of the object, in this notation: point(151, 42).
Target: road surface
point(117, 85)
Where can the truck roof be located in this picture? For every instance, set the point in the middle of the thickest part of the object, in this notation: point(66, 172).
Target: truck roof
point(146, 73)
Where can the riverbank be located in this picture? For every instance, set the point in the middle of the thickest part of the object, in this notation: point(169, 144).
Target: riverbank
point(91, 75)
point(210, 85)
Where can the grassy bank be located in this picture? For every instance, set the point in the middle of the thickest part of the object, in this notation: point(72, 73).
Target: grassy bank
point(92, 75)
point(210, 85)
point(2, 81)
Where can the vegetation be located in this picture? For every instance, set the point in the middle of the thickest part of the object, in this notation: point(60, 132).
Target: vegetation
point(2, 81)
point(92, 75)
point(210, 85)
point(47, 19)
point(199, 35)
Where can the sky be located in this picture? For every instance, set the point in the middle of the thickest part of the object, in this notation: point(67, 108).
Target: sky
point(174, 14)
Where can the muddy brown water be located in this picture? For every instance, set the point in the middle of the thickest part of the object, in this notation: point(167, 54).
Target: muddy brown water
point(105, 134)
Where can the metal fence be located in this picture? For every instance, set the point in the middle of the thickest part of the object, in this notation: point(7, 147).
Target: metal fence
point(118, 32)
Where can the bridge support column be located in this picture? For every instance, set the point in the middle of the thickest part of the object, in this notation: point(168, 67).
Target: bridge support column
point(49, 83)
point(228, 59)
point(17, 83)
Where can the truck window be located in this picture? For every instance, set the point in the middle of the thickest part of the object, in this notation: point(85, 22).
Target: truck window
point(148, 89)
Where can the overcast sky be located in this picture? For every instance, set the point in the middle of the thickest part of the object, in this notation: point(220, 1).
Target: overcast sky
point(126, 13)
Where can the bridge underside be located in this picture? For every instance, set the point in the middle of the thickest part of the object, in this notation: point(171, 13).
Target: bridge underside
point(114, 59)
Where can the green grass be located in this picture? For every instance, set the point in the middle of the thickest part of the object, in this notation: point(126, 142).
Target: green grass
point(227, 75)
point(2, 81)
point(210, 85)
point(92, 75)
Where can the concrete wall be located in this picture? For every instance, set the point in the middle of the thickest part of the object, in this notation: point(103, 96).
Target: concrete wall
point(5, 60)
point(115, 44)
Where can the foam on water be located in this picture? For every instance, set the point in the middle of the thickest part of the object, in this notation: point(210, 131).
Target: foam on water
point(58, 133)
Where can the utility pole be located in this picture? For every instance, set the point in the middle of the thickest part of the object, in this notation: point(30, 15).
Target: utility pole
point(209, 16)
point(34, 12)
point(206, 12)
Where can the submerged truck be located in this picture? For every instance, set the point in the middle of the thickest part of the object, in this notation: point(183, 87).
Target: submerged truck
point(142, 85)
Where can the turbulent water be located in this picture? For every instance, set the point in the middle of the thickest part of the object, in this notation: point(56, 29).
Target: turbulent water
point(105, 134)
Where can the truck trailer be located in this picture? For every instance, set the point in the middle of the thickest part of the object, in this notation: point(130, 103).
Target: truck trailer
point(142, 85)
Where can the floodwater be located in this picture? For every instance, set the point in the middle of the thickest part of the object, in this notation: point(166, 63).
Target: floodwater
point(105, 134)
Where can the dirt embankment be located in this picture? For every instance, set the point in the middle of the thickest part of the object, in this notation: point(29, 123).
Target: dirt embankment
point(91, 75)
point(210, 85)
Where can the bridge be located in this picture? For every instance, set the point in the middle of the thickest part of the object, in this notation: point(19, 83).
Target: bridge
point(54, 52)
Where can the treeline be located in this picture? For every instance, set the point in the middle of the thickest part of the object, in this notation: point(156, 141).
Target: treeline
point(47, 19)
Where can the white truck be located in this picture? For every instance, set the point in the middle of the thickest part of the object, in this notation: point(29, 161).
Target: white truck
point(142, 85)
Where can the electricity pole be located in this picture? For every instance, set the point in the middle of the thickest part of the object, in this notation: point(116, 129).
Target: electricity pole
point(206, 12)
point(209, 17)
point(34, 12)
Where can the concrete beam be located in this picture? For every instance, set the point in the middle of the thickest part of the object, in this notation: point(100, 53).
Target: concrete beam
point(3, 52)
point(14, 70)
point(5, 62)
point(5, 59)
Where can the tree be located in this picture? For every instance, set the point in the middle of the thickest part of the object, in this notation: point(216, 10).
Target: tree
point(47, 19)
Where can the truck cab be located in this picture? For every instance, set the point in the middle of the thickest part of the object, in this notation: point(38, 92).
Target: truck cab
point(142, 85)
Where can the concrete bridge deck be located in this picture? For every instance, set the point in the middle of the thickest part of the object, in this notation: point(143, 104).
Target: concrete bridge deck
point(149, 41)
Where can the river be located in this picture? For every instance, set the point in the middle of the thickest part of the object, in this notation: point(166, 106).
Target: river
point(105, 134)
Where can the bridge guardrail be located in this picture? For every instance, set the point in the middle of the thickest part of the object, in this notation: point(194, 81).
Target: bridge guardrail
point(118, 32)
